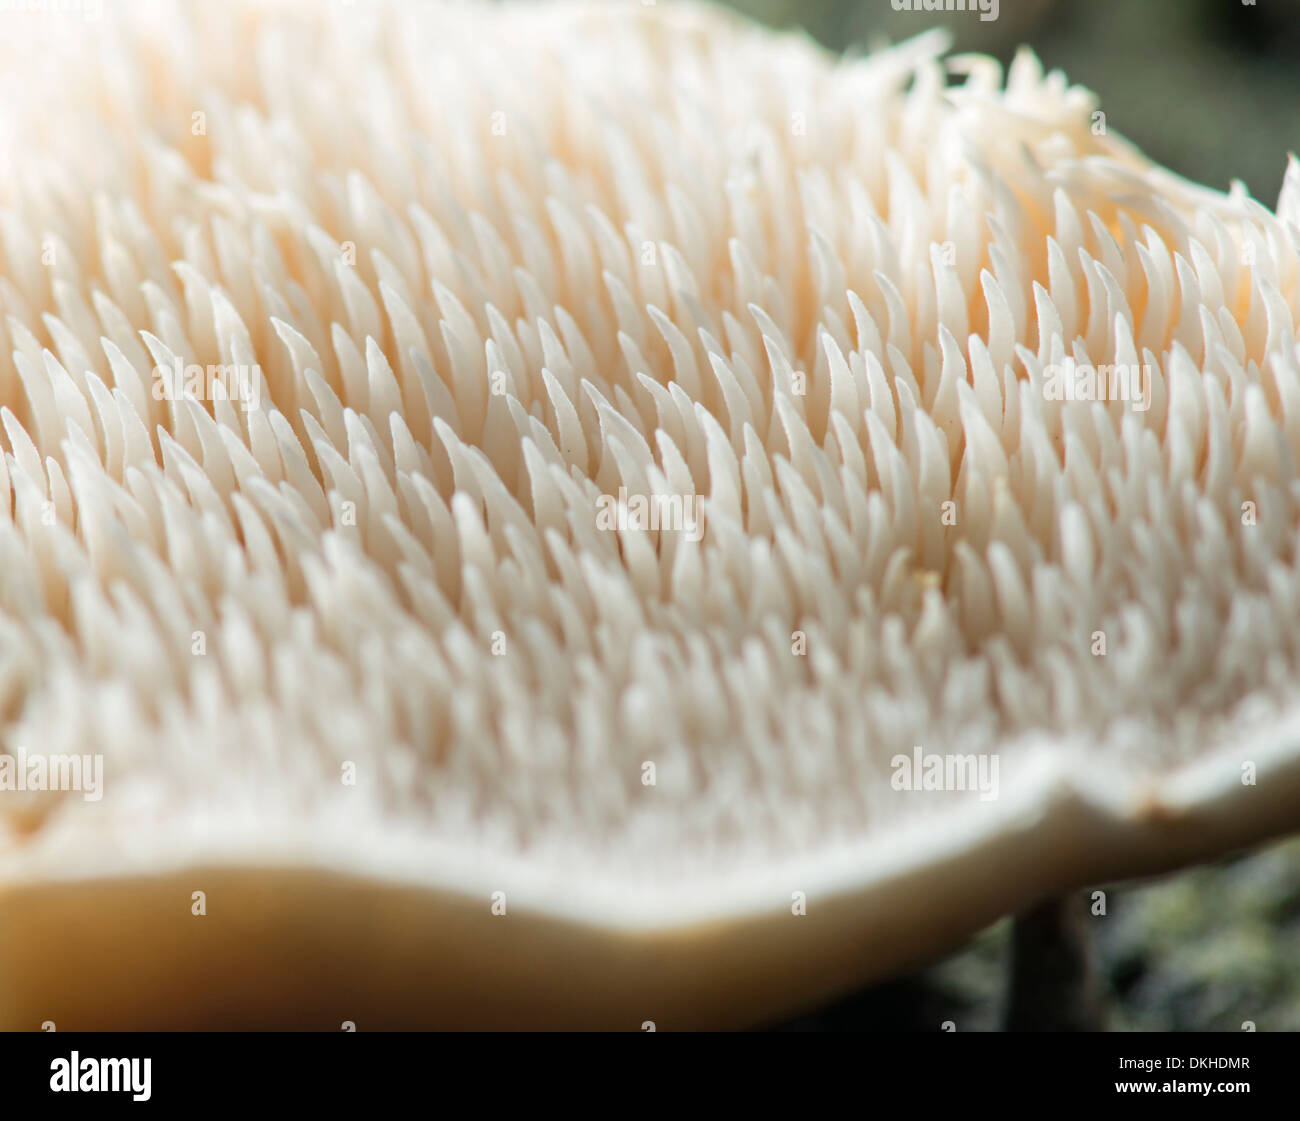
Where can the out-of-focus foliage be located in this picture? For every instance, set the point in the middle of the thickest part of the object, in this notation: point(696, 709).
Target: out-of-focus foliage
point(1208, 949)
point(1210, 88)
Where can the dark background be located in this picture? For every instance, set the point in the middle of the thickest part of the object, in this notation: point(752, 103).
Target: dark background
point(1210, 88)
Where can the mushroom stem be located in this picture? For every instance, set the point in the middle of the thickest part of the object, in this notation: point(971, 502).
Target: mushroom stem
point(1054, 978)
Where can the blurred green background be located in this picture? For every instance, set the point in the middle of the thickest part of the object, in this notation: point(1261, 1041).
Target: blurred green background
point(1210, 88)
point(1209, 949)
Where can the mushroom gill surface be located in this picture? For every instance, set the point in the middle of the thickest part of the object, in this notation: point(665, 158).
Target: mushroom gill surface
point(360, 650)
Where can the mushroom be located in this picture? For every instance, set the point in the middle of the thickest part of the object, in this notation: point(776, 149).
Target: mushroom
point(946, 450)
